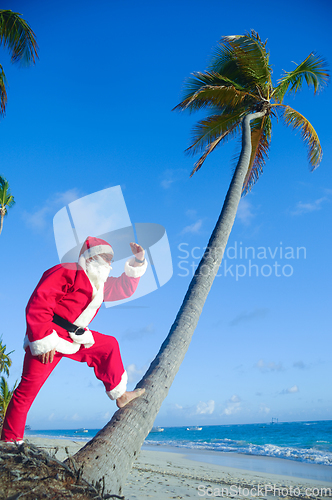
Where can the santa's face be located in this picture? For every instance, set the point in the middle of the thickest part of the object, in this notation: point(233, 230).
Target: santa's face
point(98, 268)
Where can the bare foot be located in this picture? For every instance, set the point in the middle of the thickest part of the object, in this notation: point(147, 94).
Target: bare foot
point(129, 396)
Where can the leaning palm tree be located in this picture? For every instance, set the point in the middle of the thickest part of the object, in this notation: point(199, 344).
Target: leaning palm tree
point(6, 200)
point(238, 87)
point(5, 397)
point(18, 37)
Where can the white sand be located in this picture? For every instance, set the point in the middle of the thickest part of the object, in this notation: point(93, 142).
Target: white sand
point(167, 475)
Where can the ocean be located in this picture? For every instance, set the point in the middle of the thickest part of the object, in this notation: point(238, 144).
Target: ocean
point(307, 442)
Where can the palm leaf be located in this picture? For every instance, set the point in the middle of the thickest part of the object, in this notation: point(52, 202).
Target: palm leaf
point(243, 58)
point(211, 128)
point(211, 89)
point(297, 121)
point(313, 70)
point(3, 92)
point(260, 142)
point(211, 146)
point(6, 198)
point(16, 34)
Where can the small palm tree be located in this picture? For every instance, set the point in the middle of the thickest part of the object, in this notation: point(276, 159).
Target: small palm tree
point(238, 89)
point(18, 37)
point(5, 361)
point(6, 200)
point(5, 397)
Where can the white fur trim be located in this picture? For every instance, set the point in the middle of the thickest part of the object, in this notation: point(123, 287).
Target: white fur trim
point(120, 389)
point(98, 249)
point(50, 342)
point(135, 272)
point(89, 312)
point(86, 338)
point(66, 347)
point(43, 345)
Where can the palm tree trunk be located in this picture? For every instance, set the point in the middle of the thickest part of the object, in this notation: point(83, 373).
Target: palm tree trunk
point(1, 221)
point(111, 453)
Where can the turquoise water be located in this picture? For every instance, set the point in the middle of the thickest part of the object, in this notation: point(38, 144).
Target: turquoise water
point(309, 442)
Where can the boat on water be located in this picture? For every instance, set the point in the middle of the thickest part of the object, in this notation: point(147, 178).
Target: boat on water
point(81, 431)
point(194, 428)
point(157, 429)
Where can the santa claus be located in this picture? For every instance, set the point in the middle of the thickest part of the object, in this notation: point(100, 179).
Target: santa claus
point(65, 301)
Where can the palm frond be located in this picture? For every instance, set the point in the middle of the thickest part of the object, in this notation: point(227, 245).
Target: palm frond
point(6, 198)
point(204, 90)
point(16, 34)
point(5, 361)
point(3, 91)
point(313, 70)
point(211, 128)
point(309, 135)
point(260, 142)
point(4, 389)
point(211, 146)
point(244, 59)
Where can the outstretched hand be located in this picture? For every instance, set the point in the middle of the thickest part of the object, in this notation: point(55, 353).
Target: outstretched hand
point(138, 252)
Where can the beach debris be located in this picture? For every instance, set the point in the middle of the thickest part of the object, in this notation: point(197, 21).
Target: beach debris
point(29, 473)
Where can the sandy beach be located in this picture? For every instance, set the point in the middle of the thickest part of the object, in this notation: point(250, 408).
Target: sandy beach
point(172, 474)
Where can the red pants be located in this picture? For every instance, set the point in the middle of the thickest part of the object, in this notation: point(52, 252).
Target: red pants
point(104, 357)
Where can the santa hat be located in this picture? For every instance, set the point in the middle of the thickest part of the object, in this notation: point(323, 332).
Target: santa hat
point(95, 246)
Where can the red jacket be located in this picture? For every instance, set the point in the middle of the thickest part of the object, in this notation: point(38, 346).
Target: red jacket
point(66, 290)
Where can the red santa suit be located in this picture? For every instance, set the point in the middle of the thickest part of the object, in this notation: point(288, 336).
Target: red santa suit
point(68, 291)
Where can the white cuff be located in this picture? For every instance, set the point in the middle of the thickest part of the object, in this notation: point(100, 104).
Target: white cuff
point(86, 339)
point(120, 389)
point(46, 344)
point(135, 272)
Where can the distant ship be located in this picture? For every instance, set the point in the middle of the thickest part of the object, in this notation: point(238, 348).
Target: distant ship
point(194, 428)
point(157, 429)
point(81, 431)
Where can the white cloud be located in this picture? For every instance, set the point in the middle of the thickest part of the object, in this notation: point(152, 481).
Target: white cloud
point(105, 416)
point(171, 176)
point(291, 390)
point(304, 208)
point(233, 405)
point(300, 365)
point(264, 409)
point(244, 212)
point(244, 317)
point(134, 373)
point(76, 417)
point(131, 334)
point(205, 408)
point(192, 214)
point(268, 367)
point(193, 228)
point(42, 217)
point(166, 183)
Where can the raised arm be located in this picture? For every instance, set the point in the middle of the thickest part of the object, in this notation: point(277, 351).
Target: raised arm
point(125, 285)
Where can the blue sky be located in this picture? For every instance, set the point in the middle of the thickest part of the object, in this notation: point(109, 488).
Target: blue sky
point(95, 112)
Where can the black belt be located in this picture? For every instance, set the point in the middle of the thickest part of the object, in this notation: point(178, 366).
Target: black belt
point(67, 325)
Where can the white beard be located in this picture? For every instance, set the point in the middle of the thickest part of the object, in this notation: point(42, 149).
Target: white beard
point(97, 271)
